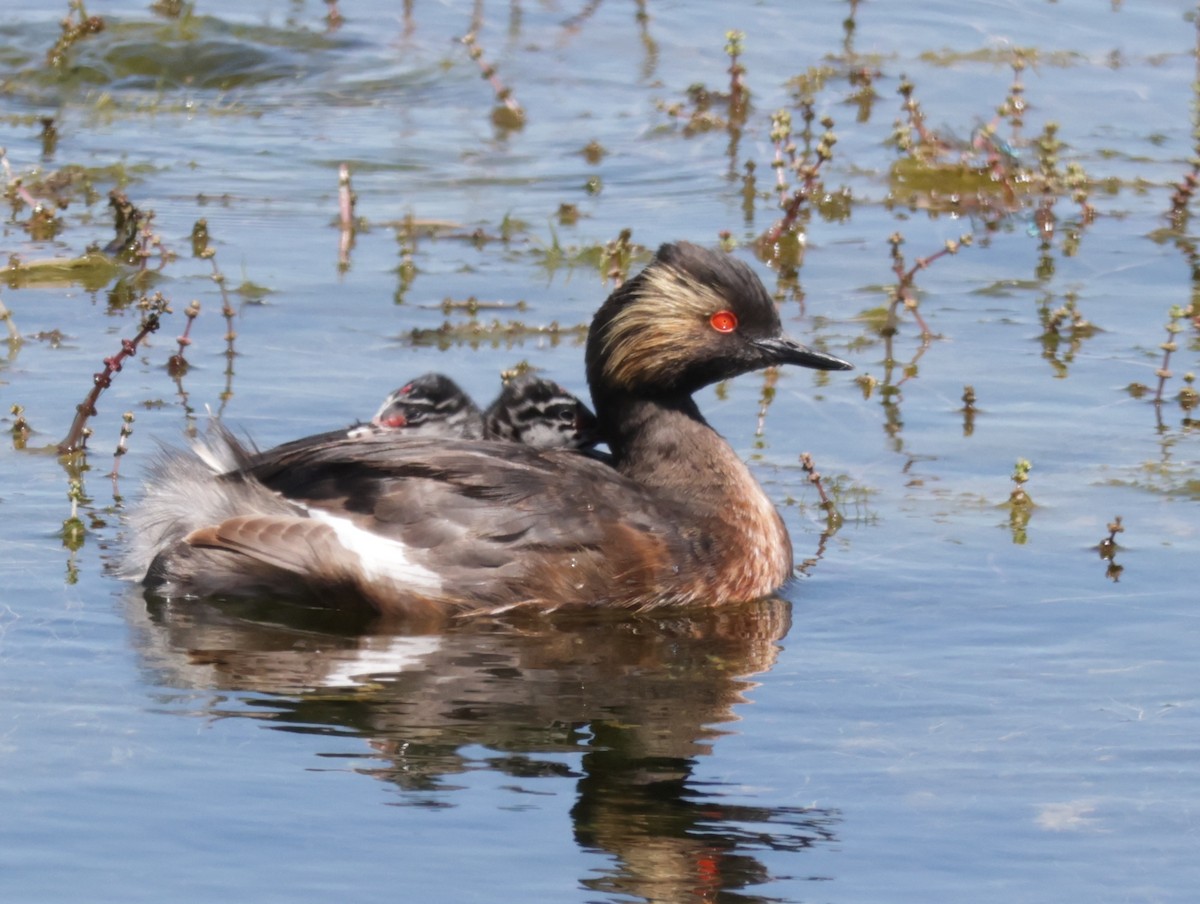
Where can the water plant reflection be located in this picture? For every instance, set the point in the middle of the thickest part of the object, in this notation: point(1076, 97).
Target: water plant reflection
point(625, 706)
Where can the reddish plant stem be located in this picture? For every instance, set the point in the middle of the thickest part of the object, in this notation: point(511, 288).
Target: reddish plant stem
point(904, 292)
point(73, 441)
point(790, 213)
point(806, 462)
point(333, 17)
point(809, 175)
point(503, 92)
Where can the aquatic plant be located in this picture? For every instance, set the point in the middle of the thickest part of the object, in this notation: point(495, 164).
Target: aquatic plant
point(203, 249)
point(73, 529)
point(126, 432)
point(43, 222)
point(968, 410)
point(1176, 318)
point(706, 110)
point(20, 428)
point(76, 26)
point(1020, 504)
point(986, 176)
point(333, 16)
point(14, 335)
point(833, 518)
point(346, 223)
point(1108, 550)
point(171, 9)
point(618, 255)
point(903, 293)
point(739, 95)
point(806, 167)
point(177, 364)
point(494, 333)
point(508, 114)
point(1064, 328)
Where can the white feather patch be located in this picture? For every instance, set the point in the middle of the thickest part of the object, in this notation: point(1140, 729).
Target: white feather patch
point(382, 559)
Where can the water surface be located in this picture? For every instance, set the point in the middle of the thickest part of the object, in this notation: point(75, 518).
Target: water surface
point(952, 702)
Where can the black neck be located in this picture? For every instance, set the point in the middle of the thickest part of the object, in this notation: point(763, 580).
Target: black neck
point(662, 441)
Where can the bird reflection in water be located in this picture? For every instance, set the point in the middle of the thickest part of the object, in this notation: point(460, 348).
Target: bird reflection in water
point(638, 700)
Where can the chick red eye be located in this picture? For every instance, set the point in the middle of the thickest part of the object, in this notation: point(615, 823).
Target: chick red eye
point(723, 321)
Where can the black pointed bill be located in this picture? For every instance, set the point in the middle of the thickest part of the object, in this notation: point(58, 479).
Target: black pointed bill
point(782, 350)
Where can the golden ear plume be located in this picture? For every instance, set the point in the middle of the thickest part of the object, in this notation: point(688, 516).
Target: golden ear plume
point(648, 339)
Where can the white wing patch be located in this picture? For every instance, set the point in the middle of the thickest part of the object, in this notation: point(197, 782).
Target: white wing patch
point(382, 559)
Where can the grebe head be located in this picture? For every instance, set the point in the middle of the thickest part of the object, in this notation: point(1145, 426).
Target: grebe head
point(430, 405)
point(690, 318)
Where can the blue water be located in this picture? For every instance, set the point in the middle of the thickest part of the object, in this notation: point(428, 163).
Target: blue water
point(944, 705)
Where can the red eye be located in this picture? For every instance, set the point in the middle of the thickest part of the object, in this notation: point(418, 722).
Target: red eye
point(723, 321)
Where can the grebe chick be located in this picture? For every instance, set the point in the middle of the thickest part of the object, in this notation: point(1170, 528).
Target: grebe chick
point(450, 527)
point(538, 412)
point(431, 405)
point(529, 410)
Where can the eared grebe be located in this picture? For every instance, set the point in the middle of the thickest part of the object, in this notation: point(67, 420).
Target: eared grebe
point(424, 526)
